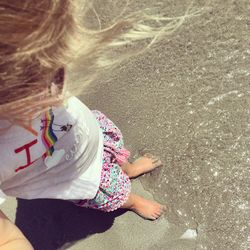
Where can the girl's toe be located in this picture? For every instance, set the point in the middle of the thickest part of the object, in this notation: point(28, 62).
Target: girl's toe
point(157, 163)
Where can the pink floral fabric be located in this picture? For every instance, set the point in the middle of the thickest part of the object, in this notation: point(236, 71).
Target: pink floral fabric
point(115, 185)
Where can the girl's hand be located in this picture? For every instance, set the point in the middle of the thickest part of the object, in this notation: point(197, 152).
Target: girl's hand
point(11, 238)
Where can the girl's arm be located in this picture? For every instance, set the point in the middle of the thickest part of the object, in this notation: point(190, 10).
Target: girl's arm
point(11, 238)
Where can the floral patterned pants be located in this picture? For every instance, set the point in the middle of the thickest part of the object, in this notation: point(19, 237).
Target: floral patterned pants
point(115, 185)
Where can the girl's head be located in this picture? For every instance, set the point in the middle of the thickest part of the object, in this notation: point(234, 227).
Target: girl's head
point(35, 44)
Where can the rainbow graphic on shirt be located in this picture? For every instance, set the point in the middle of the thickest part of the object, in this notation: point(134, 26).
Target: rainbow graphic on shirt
point(48, 136)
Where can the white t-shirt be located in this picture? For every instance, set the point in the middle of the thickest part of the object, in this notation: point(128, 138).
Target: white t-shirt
point(62, 161)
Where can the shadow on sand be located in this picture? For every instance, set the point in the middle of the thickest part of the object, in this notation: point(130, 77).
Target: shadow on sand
point(56, 224)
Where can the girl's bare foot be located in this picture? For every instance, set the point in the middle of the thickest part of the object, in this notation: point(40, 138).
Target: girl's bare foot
point(147, 209)
point(144, 164)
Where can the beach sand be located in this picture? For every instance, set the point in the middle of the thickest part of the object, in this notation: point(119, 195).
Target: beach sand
point(186, 100)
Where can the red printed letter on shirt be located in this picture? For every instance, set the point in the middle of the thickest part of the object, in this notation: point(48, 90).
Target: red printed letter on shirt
point(26, 147)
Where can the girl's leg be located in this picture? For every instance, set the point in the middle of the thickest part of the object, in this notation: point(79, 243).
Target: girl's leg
point(140, 166)
point(145, 208)
point(115, 184)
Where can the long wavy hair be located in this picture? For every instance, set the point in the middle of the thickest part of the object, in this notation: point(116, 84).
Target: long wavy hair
point(41, 38)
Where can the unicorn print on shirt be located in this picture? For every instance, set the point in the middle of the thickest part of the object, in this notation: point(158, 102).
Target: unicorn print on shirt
point(49, 131)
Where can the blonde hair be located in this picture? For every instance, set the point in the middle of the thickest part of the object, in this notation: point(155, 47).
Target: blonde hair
point(40, 37)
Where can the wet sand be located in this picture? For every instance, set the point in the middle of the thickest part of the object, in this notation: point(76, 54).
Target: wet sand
point(187, 100)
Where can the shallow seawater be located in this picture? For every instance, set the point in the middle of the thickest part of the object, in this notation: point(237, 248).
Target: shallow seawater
point(205, 178)
point(205, 138)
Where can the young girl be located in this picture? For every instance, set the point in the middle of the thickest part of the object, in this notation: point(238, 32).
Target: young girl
point(52, 145)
